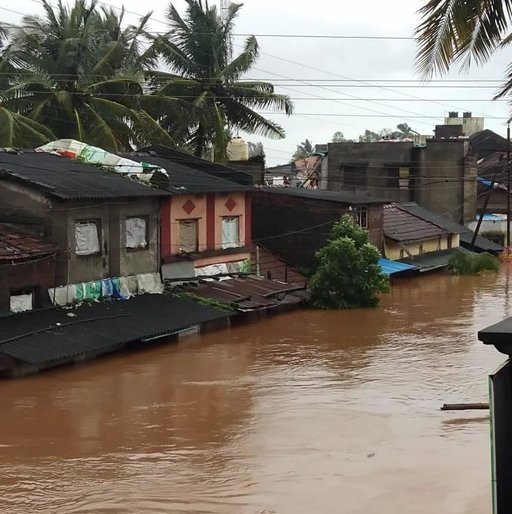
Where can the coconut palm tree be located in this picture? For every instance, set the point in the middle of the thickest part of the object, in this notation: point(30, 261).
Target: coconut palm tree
point(16, 129)
point(464, 31)
point(80, 74)
point(203, 70)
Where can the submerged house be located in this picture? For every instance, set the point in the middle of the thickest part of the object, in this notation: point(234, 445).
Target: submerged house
point(106, 225)
point(426, 240)
point(293, 223)
point(205, 223)
point(27, 270)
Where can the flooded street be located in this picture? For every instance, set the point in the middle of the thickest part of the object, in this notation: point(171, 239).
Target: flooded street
point(308, 412)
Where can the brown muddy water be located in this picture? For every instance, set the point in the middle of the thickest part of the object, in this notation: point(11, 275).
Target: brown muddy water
point(304, 413)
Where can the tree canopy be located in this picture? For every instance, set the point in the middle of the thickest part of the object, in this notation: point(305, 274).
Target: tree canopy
point(462, 31)
point(348, 273)
point(305, 149)
point(81, 72)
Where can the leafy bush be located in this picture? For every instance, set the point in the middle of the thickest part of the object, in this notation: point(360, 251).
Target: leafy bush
point(348, 274)
point(472, 264)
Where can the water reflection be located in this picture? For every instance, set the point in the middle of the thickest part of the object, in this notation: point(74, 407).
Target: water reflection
point(305, 412)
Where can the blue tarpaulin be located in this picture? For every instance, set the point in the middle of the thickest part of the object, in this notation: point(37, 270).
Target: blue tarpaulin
point(392, 267)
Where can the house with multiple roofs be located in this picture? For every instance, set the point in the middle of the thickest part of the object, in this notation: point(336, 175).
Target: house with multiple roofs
point(104, 224)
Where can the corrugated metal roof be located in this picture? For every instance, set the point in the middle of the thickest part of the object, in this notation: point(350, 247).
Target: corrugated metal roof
point(196, 163)
point(344, 197)
point(393, 267)
point(185, 179)
point(251, 292)
point(68, 179)
point(434, 260)
point(400, 225)
point(18, 246)
point(42, 337)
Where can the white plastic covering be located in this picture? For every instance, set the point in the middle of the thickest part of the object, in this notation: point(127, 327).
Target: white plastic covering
point(136, 233)
point(63, 295)
point(149, 283)
point(21, 302)
point(94, 155)
point(212, 270)
point(86, 238)
point(230, 232)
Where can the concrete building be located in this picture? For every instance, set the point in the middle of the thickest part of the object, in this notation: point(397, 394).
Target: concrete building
point(106, 224)
point(293, 223)
point(440, 175)
point(205, 222)
point(468, 123)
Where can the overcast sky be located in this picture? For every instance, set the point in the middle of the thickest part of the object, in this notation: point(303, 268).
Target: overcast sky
point(333, 60)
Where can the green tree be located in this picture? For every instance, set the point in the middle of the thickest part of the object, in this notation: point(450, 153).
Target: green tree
point(338, 137)
point(80, 74)
point(198, 50)
point(305, 149)
point(462, 31)
point(348, 274)
point(15, 129)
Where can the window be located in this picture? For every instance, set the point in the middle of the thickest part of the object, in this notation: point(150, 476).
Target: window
point(420, 249)
point(188, 236)
point(404, 178)
point(362, 217)
point(136, 232)
point(87, 241)
point(22, 301)
point(230, 232)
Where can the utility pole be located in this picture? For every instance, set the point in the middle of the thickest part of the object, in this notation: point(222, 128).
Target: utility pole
point(508, 186)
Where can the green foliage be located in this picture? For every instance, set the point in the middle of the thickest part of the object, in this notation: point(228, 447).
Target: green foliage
point(205, 301)
point(348, 274)
point(467, 264)
point(305, 149)
point(206, 76)
point(467, 32)
point(81, 72)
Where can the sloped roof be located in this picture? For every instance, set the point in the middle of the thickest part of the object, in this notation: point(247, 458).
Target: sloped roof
point(186, 179)
point(438, 219)
point(344, 197)
point(19, 246)
point(403, 226)
point(54, 337)
point(466, 235)
point(68, 179)
point(393, 267)
point(196, 163)
point(487, 141)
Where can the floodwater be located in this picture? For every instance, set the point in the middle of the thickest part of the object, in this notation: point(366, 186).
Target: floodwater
point(304, 413)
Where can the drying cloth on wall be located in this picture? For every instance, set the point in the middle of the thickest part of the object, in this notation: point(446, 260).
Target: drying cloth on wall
point(136, 233)
point(21, 302)
point(86, 238)
point(230, 232)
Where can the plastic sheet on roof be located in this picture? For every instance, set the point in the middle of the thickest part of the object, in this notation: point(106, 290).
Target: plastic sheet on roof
point(88, 154)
